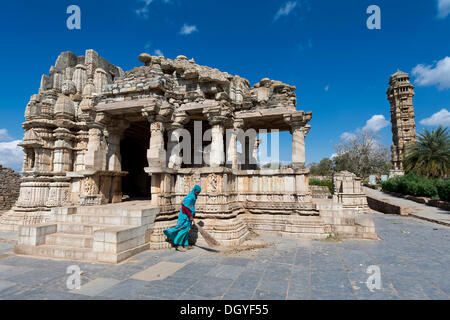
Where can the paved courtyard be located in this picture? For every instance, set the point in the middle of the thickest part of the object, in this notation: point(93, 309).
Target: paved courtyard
point(413, 257)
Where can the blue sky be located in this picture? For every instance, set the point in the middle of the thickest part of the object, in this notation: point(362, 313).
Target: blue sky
point(341, 68)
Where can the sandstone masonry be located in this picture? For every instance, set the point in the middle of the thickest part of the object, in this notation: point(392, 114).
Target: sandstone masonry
point(9, 187)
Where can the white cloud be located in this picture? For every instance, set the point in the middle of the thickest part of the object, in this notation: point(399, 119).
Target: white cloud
point(441, 118)
point(327, 88)
point(4, 135)
point(443, 8)
point(11, 155)
point(286, 9)
point(376, 123)
point(143, 12)
point(429, 75)
point(346, 136)
point(187, 29)
point(159, 52)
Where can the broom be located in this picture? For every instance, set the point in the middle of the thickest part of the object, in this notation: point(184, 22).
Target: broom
point(208, 238)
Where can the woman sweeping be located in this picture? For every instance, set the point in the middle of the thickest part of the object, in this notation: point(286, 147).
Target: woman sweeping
point(179, 234)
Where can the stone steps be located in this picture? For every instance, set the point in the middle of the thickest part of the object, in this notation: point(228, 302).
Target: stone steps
point(107, 234)
point(83, 229)
point(103, 219)
point(77, 254)
point(70, 240)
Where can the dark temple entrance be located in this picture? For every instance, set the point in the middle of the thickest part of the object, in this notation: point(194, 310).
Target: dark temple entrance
point(133, 149)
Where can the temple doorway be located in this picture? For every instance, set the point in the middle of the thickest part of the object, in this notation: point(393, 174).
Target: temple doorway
point(133, 149)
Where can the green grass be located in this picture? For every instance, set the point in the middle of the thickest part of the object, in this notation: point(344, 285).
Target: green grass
point(332, 238)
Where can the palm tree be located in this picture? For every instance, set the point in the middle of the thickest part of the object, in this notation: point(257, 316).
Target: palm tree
point(430, 156)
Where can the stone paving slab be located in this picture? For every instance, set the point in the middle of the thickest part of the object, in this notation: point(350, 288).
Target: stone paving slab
point(5, 285)
point(159, 271)
point(413, 256)
point(95, 287)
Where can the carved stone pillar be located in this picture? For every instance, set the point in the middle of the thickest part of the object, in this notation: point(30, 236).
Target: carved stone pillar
point(298, 146)
point(299, 129)
point(217, 117)
point(157, 116)
point(174, 157)
point(217, 155)
point(95, 155)
point(232, 154)
point(114, 158)
point(156, 155)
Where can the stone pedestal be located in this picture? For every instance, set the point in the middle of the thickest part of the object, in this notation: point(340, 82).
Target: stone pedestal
point(348, 191)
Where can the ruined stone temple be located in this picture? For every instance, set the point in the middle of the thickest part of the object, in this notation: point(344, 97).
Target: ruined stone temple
point(400, 95)
point(101, 179)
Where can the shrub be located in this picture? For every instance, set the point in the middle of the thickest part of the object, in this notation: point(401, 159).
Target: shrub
point(443, 188)
point(413, 185)
point(391, 185)
point(320, 183)
point(427, 188)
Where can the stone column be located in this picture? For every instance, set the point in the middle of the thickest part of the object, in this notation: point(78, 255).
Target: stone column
point(232, 154)
point(114, 158)
point(94, 156)
point(217, 117)
point(298, 146)
point(174, 157)
point(156, 155)
point(157, 115)
point(217, 155)
point(299, 129)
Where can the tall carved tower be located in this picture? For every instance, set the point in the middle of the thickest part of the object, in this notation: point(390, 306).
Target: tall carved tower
point(400, 95)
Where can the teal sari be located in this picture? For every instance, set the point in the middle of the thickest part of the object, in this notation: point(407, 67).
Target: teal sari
point(179, 234)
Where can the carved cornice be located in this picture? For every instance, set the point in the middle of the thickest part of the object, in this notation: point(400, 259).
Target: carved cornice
point(218, 115)
point(298, 119)
point(158, 110)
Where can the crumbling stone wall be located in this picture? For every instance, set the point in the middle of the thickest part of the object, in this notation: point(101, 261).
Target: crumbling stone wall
point(9, 187)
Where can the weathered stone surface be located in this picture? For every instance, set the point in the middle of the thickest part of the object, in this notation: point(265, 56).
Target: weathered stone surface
point(9, 187)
